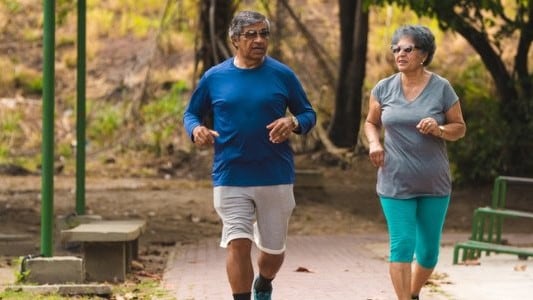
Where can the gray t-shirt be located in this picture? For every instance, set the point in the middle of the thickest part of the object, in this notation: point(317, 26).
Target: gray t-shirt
point(415, 164)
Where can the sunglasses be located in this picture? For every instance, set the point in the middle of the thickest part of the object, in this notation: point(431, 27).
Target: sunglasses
point(252, 34)
point(407, 49)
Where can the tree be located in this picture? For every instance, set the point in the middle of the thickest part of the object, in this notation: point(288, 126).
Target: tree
point(345, 123)
point(485, 24)
point(215, 18)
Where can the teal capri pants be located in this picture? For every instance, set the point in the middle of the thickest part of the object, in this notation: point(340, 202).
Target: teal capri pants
point(415, 228)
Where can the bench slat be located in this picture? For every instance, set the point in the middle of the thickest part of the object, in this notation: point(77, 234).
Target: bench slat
point(505, 212)
point(105, 231)
point(495, 247)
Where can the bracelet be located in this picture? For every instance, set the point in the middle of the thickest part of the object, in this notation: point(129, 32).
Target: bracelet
point(441, 129)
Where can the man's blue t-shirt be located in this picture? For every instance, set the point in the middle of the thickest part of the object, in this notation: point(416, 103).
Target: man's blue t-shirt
point(243, 102)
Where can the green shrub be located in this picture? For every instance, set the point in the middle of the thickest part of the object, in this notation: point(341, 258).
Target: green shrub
point(162, 115)
point(479, 156)
point(104, 124)
point(12, 5)
point(29, 81)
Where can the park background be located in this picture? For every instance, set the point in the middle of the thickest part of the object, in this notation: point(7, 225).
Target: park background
point(145, 56)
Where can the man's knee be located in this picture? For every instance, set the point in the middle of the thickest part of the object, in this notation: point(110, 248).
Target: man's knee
point(240, 246)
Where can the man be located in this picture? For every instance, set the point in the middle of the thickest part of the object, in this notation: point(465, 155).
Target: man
point(253, 169)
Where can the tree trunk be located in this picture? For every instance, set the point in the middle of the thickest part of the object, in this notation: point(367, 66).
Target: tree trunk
point(215, 18)
point(278, 31)
point(344, 127)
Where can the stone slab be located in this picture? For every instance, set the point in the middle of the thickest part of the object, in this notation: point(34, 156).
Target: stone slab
point(105, 231)
point(65, 289)
point(55, 270)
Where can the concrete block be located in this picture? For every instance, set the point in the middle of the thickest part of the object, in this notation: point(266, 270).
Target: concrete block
point(105, 261)
point(65, 289)
point(55, 270)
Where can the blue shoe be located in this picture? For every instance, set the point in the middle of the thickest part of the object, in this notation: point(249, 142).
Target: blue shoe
point(262, 295)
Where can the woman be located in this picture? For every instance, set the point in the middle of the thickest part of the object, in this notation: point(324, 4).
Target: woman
point(419, 111)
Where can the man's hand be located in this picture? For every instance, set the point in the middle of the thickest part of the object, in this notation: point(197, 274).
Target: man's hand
point(203, 136)
point(280, 129)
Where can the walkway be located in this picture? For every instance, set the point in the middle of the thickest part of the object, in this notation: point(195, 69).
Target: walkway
point(348, 267)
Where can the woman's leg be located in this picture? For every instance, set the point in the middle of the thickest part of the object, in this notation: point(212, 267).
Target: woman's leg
point(431, 213)
point(401, 222)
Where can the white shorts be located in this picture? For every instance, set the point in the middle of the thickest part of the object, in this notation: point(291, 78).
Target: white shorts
point(258, 213)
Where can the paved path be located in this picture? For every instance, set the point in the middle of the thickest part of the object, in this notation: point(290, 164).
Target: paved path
point(348, 267)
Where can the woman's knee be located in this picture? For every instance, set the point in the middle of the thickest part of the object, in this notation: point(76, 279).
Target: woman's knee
point(402, 249)
point(427, 258)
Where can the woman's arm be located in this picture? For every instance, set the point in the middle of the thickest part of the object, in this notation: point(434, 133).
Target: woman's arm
point(455, 126)
point(372, 130)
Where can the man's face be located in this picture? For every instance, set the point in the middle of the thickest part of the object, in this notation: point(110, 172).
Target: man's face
point(252, 43)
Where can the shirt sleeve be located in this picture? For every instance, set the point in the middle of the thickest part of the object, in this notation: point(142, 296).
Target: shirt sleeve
point(198, 107)
point(300, 106)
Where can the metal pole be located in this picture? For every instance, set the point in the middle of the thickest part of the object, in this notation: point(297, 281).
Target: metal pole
point(80, 112)
point(47, 176)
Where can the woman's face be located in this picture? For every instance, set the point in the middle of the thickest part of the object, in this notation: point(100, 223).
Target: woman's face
point(407, 55)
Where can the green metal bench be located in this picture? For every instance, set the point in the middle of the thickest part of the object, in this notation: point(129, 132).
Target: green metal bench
point(487, 224)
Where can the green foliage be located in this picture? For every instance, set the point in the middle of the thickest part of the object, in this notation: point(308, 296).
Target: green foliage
point(29, 81)
point(137, 24)
point(63, 9)
point(13, 294)
point(64, 149)
point(20, 275)
point(145, 289)
point(478, 157)
point(9, 130)
point(105, 123)
point(12, 5)
point(162, 115)
point(170, 104)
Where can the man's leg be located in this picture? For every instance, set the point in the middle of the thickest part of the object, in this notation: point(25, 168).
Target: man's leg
point(269, 265)
point(236, 210)
point(274, 205)
point(239, 266)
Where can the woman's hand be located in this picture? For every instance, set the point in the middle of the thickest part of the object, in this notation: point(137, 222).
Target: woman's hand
point(428, 126)
point(376, 153)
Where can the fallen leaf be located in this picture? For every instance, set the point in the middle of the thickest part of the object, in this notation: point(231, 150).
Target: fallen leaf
point(471, 262)
point(303, 270)
point(520, 268)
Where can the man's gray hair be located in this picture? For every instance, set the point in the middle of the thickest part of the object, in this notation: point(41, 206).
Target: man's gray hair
point(422, 37)
point(243, 19)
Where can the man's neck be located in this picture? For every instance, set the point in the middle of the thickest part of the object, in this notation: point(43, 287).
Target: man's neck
point(247, 64)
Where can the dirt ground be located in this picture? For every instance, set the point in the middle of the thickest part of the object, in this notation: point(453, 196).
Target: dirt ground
point(180, 211)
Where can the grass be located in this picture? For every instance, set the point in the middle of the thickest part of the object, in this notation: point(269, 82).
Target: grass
point(146, 289)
